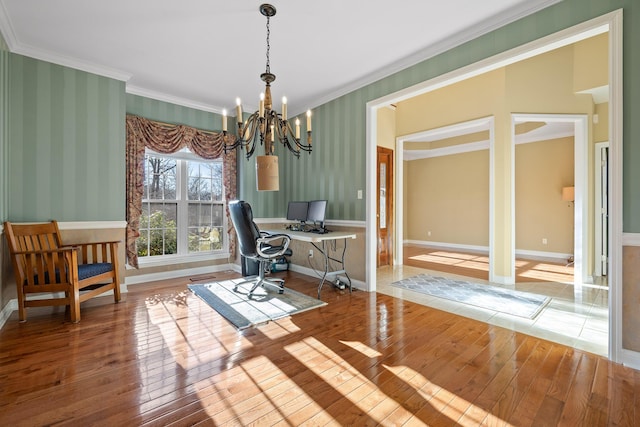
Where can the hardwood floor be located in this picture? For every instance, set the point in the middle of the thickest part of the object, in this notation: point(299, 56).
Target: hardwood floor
point(477, 265)
point(163, 357)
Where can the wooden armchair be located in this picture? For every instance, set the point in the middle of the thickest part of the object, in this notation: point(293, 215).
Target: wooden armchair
point(43, 265)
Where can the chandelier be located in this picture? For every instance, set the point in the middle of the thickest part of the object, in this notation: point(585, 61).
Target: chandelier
point(266, 126)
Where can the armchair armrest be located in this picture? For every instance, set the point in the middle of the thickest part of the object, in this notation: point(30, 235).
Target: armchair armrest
point(265, 242)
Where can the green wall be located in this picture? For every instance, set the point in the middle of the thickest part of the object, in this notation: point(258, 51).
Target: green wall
point(171, 113)
point(336, 169)
point(66, 155)
point(4, 118)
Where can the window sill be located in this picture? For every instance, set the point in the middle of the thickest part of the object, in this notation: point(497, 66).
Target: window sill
point(179, 259)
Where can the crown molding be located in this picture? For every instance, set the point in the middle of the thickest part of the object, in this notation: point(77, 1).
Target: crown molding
point(165, 97)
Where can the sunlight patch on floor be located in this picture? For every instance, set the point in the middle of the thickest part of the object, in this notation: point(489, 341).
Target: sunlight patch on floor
point(574, 317)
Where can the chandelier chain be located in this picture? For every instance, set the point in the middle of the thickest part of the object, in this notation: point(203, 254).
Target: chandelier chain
point(268, 70)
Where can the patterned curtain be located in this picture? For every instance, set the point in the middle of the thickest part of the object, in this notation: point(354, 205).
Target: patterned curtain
point(165, 138)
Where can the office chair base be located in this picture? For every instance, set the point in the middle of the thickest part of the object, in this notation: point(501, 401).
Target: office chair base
point(261, 282)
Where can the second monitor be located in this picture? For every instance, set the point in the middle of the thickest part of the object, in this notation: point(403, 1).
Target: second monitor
point(312, 213)
point(316, 213)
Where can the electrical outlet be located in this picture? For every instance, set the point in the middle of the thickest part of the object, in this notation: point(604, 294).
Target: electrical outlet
point(544, 240)
point(310, 253)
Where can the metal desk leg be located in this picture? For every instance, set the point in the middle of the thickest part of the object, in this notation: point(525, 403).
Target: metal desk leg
point(327, 258)
point(324, 253)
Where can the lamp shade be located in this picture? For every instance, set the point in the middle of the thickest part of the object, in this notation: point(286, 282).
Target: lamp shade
point(568, 194)
point(267, 175)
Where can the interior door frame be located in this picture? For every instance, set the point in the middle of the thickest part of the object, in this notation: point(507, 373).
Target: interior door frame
point(611, 22)
point(597, 202)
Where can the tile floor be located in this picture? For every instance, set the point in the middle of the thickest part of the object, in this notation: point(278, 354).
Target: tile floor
point(578, 318)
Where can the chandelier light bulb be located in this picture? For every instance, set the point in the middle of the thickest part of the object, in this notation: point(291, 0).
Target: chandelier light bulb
point(284, 108)
point(224, 120)
point(238, 110)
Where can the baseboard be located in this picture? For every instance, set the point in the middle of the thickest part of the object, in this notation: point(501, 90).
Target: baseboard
point(631, 358)
point(503, 280)
point(520, 253)
point(9, 308)
point(173, 274)
point(456, 246)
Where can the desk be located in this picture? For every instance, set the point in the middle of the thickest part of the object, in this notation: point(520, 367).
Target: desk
point(319, 241)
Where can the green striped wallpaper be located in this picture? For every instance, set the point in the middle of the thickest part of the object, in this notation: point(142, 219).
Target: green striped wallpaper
point(161, 111)
point(4, 135)
point(67, 144)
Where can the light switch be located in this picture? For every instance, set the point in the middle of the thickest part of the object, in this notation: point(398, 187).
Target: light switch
point(359, 194)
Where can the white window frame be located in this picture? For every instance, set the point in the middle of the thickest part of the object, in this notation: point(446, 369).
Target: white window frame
point(182, 214)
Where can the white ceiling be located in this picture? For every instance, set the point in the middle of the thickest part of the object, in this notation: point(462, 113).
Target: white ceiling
point(204, 53)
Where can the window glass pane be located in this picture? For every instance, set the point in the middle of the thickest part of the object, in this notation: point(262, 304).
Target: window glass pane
point(160, 176)
point(170, 241)
point(217, 188)
point(218, 215)
point(169, 181)
point(193, 188)
point(205, 189)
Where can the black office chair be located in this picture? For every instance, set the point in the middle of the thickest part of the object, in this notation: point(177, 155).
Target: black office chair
point(257, 245)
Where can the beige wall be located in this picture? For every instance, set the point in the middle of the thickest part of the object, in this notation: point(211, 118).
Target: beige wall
point(543, 84)
point(589, 70)
point(449, 197)
point(601, 129)
point(542, 169)
point(630, 297)
point(386, 128)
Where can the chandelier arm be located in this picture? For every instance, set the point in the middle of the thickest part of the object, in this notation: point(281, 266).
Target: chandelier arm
point(289, 136)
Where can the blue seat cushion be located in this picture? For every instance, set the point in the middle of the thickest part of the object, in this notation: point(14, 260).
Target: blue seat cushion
point(84, 272)
point(89, 270)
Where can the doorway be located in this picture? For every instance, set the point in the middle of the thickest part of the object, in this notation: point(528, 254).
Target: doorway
point(385, 206)
point(556, 127)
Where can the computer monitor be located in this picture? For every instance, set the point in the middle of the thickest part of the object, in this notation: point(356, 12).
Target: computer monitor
point(316, 212)
point(297, 211)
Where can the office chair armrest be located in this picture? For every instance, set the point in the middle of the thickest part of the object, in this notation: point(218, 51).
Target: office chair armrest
point(268, 239)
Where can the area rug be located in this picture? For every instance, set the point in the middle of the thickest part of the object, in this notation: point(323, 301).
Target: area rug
point(264, 305)
point(516, 303)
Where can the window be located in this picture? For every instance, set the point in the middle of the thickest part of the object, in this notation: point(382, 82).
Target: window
point(182, 206)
